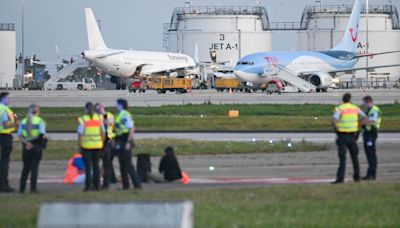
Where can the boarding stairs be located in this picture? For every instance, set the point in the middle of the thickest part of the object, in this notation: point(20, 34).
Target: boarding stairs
point(67, 70)
point(293, 79)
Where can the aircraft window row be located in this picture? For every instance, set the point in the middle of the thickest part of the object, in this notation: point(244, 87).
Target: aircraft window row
point(246, 63)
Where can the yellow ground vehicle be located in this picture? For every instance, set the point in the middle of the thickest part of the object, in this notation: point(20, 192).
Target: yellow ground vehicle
point(164, 84)
point(222, 84)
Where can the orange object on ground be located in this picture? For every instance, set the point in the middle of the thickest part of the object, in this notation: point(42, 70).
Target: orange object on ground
point(185, 178)
point(72, 172)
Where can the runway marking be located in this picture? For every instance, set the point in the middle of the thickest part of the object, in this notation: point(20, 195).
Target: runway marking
point(259, 180)
point(57, 180)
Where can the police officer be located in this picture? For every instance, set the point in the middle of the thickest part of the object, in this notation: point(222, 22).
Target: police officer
point(370, 135)
point(31, 133)
point(8, 125)
point(345, 122)
point(107, 155)
point(124, 130)
point(91, 133)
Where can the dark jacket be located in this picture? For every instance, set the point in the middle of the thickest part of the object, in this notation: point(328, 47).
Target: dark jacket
point(169, 166)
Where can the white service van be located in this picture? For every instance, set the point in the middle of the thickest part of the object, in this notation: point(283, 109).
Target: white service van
point(71, 84)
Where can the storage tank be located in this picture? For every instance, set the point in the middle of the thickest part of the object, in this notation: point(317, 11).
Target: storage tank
point(7, 55)
point(231, 31)
point(324, 27)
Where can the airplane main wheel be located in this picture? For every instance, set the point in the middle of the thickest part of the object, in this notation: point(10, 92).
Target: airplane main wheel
point(318, 90)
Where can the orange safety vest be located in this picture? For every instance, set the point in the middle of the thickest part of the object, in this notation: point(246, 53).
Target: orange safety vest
point(348, 122)
point(72, 172)
point(91, 137)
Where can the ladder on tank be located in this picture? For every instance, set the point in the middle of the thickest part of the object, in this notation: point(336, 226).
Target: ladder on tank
point(292, 78)
point(67, 70)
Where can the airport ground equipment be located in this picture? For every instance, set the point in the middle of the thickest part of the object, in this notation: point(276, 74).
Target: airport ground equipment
point(164, 84)
point(138, 86)
point(222, 84)
point(64, 73)
point(70, 83)
point(274, 86)
point(127, 214)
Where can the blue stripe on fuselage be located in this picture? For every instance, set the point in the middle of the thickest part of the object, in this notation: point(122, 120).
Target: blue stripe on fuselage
point(255, 63)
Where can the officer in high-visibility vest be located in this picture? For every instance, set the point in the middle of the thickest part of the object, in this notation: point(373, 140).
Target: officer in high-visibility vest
point(346, 123)
point(107, 155)
point(124, 130)
point(370, 135)
point(31, 132)
point(8, 124)
point(91, 132)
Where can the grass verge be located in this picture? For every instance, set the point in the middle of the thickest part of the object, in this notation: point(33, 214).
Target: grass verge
point(61, 150)
point(350, 205)
point(214, 117)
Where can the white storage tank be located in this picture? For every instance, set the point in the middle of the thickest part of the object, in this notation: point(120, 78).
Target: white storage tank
point(7, 55)
point(232, 31)
point(324, 27)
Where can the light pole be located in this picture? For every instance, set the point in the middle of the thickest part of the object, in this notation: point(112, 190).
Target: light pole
point(367, 45)
point(1, 79)
point(23, 43)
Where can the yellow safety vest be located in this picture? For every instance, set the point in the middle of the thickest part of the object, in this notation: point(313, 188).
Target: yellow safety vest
point(36, 122)
point(11, 120)
point(120, 128)
point(377, 124)
point(110, 125)
point(348, 121)
point(91, 137)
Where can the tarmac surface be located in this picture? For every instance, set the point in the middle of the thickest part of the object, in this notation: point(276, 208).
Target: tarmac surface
point(240, 170)
point(316, 137)
point(151, 98)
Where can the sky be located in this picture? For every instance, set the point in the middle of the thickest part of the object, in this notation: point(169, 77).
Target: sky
point(127, 24)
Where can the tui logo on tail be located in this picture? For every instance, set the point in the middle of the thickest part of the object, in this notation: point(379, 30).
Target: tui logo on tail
point(353, 37)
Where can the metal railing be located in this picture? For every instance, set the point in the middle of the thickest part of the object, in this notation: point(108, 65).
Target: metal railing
point(286, 26)
point(310, 11)
point(7, 27)
point(179, 12)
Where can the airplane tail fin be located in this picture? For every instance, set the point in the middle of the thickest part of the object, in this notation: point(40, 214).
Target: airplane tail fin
point(349, 41)
point(95, 38)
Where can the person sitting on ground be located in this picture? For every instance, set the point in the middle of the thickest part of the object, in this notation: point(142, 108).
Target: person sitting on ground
point(169, 168)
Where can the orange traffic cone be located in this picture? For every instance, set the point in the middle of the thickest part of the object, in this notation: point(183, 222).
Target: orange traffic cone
point(185, 178)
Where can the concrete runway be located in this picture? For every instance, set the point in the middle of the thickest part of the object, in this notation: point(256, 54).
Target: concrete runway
point(241, 137)
point(150, 98)
point(241, 170)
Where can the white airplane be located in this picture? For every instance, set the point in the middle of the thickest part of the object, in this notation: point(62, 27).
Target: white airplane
point(308, 68)
point(128, 63)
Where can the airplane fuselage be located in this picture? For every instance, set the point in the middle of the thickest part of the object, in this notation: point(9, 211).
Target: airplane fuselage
point(124, 63)
point(263, 67)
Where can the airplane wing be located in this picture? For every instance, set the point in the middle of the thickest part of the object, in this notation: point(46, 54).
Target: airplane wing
point(151, 69)
point(373, 54)
point(109, 54)
point(351, 70)
point(48, 63)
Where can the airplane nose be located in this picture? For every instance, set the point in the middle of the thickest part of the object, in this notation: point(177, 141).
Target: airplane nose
point(239, 74)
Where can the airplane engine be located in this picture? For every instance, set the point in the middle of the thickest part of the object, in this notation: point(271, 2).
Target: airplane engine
point(321, 80)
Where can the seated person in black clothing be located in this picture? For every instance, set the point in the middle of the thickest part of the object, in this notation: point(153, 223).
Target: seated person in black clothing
point(169, 168)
